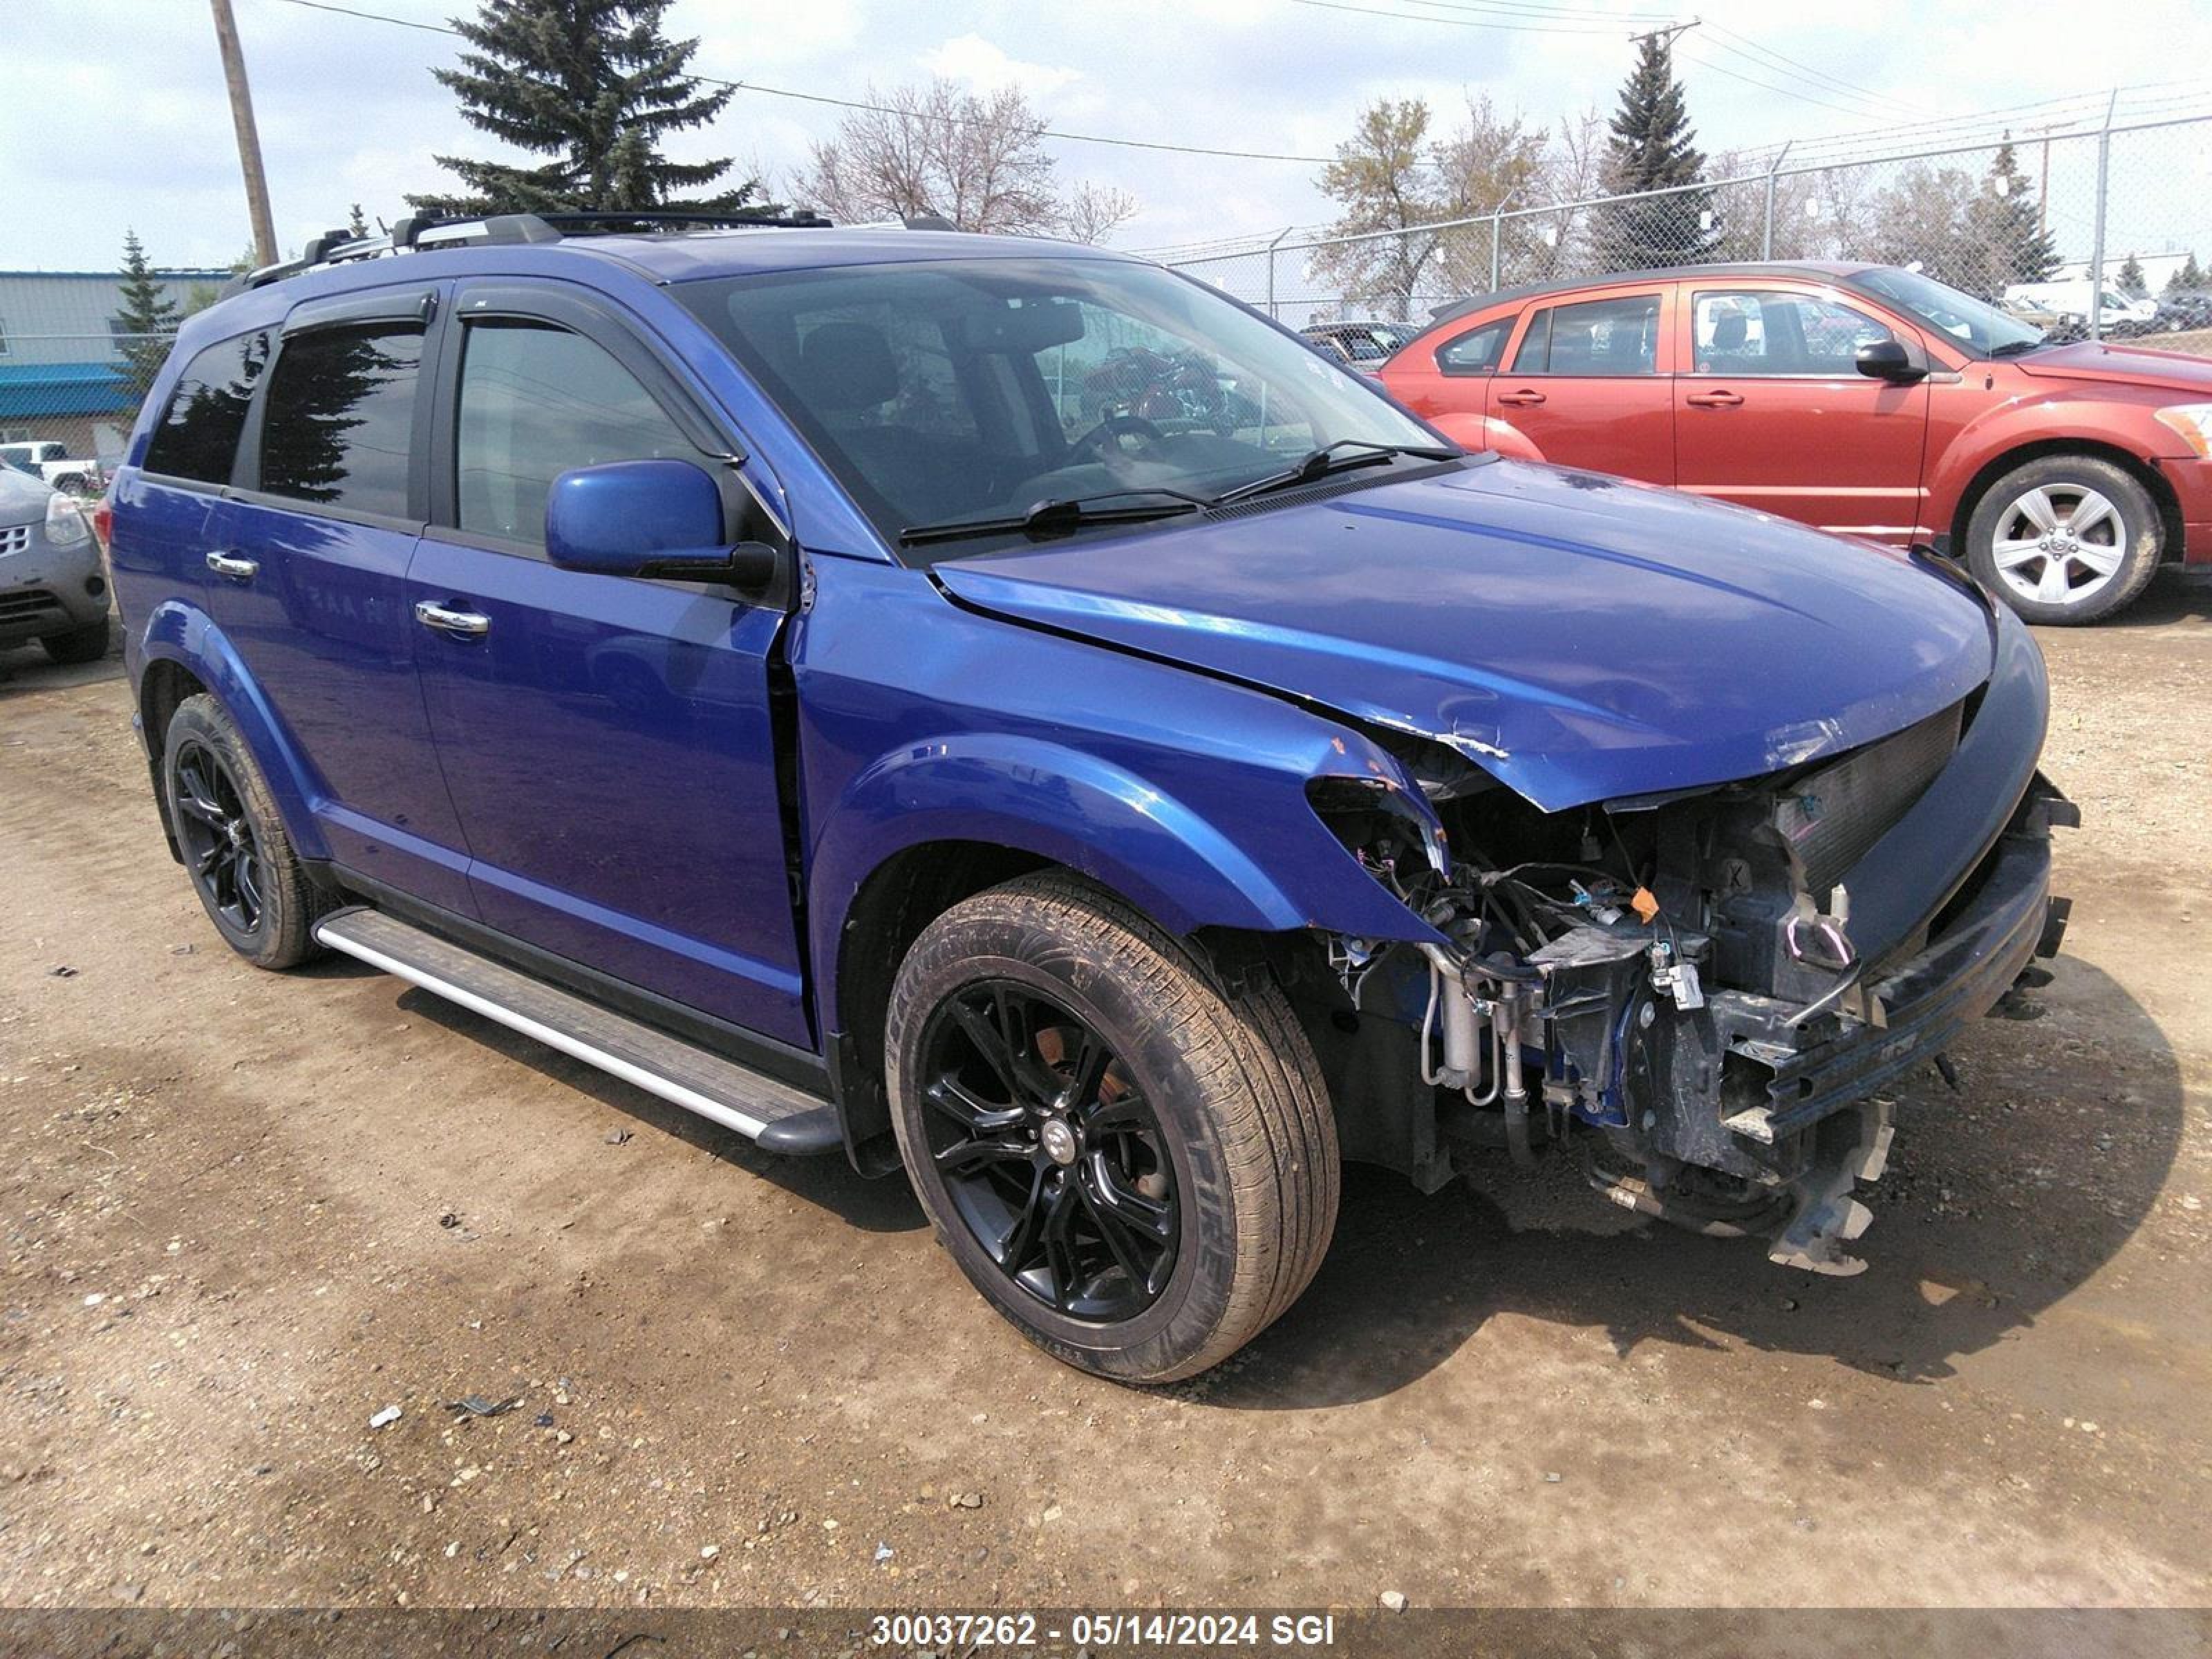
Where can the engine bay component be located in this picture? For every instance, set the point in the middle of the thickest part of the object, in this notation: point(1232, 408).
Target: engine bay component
point(1676, 981)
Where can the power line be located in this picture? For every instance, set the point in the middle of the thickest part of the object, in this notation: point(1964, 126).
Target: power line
point(1483, 22)
point(1750, 47)
point(1532, 8)
point(366, 16)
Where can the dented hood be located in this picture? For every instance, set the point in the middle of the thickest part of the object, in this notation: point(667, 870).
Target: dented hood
point(1581, 638)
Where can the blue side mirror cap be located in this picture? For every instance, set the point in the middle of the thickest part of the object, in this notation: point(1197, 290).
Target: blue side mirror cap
point(654, 518)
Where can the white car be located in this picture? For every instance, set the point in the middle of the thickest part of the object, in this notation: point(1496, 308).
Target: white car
point(2071, 300)
point(50, 462)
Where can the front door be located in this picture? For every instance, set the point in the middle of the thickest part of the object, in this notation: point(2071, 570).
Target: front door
point(610, 741)
point(308, 580)
point(1584, 387)
point(1772, 412)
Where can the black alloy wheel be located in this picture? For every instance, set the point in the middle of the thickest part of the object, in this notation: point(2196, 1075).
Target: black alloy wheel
point(1050, 1153)
point(221, 850)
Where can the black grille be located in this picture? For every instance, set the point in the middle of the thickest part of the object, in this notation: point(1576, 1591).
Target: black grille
point(27, 602)
point(1832, 815)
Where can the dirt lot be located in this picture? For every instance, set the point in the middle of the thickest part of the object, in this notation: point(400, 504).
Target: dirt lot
point(244, 1213)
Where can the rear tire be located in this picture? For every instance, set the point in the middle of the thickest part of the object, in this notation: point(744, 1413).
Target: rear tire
point(249, 879)
point(1131, 1089)
point(86, 644)
point(2066, 539)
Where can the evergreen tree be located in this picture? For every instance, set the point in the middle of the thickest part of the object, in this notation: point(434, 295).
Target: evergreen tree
point(2008, 247)
point(1653, 148)
point(2188, 277)
point(356, 223)
point(145, 324)
point(2132, 279)
point(595, 86)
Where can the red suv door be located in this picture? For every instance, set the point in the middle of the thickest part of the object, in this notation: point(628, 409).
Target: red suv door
point(1772, 412)
point(1586, 383)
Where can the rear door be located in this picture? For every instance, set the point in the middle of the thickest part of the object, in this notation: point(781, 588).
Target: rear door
point(308, 581)
point(1584, 382)
point(610, 740)
point(1772, 414)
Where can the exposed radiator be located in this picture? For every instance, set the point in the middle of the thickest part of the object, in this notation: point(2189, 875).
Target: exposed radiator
point(1832, 815)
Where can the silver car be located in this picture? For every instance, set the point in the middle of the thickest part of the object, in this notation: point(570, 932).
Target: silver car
point(53, 588)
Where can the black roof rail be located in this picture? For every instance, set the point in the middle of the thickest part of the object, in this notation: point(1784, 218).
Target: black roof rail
point(424, 232)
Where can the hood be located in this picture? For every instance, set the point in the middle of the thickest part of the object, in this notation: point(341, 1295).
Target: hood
point(22, 498)
point(2128, 365)
point(1580, 638)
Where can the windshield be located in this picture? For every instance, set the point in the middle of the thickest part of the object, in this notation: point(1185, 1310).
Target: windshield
point(1973, 323)
point(978, 388)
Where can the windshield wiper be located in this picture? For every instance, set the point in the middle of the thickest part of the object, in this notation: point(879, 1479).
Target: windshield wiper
point(1058, 514)
point(2015, 348)
point(1319, 463)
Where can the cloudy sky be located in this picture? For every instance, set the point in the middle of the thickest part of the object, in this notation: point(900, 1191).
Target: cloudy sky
point(112, 111)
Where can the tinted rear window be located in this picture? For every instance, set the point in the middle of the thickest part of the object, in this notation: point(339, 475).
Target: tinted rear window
point(340, 421)
point(1595, 336)
point(198, 438)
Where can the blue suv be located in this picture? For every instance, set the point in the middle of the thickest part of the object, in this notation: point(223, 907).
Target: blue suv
point(1007, 712)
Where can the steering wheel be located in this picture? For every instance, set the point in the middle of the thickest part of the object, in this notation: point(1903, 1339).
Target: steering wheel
point(1110, 432)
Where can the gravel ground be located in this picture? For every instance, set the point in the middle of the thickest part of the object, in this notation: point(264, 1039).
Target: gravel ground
point(248, 1215)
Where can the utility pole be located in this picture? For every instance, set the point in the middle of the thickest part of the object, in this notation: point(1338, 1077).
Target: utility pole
point(1670, 32)
point(249, 138)
point(2043, 191)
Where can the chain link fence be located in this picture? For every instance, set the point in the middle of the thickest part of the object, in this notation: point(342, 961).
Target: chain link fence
point(68, 401)
point(2091, 232)
point(2085, 234)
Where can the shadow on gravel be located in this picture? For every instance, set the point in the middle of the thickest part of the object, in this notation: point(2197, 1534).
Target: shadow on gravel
point(875, 1206)
point(1999, 1201)
point(27, 670)
point(2174, 595)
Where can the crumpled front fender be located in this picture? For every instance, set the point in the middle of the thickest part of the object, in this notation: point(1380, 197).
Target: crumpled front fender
point(1260, 859)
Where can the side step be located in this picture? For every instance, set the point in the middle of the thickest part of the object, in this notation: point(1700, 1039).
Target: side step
point(779, 1117)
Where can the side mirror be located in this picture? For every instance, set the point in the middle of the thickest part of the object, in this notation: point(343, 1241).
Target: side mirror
point(648, 519)
point(1888, 360)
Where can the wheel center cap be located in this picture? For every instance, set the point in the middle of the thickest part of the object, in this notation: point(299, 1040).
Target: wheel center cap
point(1058, 1139)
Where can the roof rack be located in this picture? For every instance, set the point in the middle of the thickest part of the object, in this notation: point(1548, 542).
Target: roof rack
point(423, 232)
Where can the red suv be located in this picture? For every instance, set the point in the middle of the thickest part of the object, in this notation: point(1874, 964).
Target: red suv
point(1861, 398)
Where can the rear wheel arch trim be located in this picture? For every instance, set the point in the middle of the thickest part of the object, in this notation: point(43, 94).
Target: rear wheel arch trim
point(182, 639)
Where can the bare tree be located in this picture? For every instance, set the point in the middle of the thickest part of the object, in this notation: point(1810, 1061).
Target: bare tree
point(976, 161)
point(1094, 212)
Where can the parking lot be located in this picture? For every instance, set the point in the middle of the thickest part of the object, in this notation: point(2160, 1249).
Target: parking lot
point(246, 1213)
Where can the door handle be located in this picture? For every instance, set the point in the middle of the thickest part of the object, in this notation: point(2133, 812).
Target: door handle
point(230, 565)
point(1713, 399)
point(1521, 398)
point(461, 624)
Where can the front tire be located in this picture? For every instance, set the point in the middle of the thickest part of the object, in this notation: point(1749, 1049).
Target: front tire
point(2066, 539)
point(249, 879)
point(1135, 1164)
point(86, 644)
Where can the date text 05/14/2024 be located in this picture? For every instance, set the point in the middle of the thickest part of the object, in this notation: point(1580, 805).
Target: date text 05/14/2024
point(1104, 1629)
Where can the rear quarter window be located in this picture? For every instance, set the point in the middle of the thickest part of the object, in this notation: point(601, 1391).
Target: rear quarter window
point(1477, 351)
point(198, 438)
